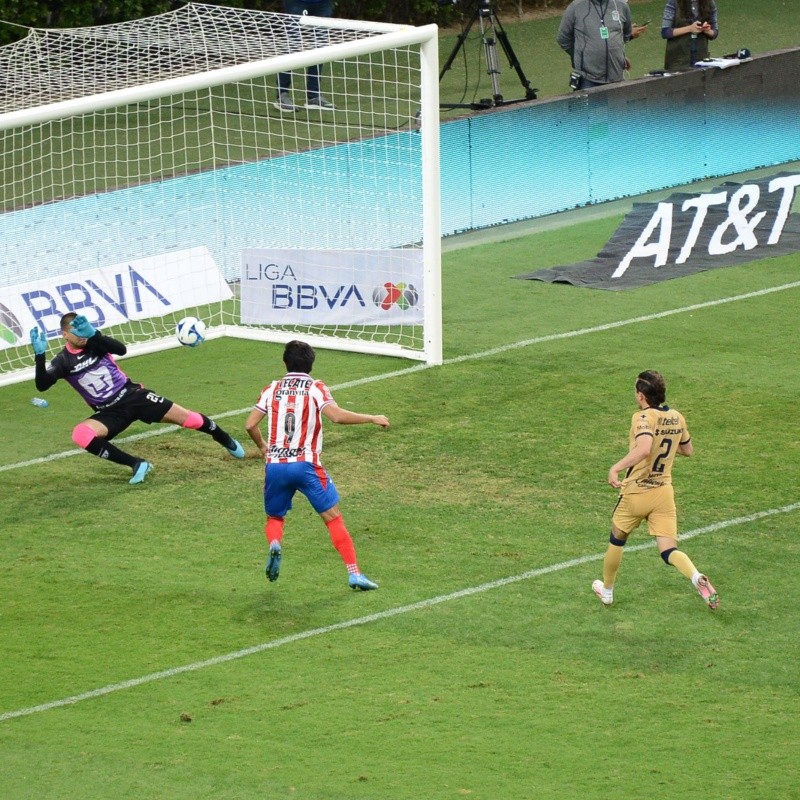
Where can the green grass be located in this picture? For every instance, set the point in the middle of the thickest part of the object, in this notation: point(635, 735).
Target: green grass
point(494, 466)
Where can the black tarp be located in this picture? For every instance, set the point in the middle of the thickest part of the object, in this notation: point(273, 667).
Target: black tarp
point(732, 224)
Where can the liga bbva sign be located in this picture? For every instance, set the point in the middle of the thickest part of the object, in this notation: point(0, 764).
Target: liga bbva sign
point(112, 295)
point(733, 224)
point(331, 287)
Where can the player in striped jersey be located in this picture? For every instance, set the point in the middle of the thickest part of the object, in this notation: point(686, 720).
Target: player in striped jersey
point(293, 407)
point(658, 433)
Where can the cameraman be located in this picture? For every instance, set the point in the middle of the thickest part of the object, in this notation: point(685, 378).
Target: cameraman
point(594, 33)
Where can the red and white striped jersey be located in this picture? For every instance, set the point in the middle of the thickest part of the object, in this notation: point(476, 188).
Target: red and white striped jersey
point(293, 406)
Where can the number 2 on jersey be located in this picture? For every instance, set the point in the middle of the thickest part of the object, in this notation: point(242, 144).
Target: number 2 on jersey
point(658, 464)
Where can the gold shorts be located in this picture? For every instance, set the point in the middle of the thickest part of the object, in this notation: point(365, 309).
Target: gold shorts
point(657, 506)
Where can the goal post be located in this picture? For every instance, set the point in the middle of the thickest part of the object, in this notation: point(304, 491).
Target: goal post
point(148, 174)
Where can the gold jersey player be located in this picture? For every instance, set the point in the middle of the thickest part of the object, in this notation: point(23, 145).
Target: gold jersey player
point(658, 434)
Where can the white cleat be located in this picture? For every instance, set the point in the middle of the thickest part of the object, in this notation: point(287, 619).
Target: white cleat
point(606, 596)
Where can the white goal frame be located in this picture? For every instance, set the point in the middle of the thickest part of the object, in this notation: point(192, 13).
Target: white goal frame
point(385, 37)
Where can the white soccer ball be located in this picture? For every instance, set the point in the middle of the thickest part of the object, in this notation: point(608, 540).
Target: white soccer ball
point(191, 331)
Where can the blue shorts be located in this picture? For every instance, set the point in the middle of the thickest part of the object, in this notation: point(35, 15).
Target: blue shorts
point(281, 481)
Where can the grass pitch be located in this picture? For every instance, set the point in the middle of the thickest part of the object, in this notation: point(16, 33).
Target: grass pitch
point(484, 667)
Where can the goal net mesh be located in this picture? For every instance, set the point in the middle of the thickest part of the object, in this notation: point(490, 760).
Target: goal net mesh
point(148, 173)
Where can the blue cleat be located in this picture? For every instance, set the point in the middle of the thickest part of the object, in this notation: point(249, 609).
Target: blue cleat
point(361, 581)
point(273, 568)
point(237, 451)
point(142, 470)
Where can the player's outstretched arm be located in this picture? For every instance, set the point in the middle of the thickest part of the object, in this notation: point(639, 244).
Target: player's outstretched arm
point(42, 378)
point(341, 416)
point(83, 329)
point(108, 344)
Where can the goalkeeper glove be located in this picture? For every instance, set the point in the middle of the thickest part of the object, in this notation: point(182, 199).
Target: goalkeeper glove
point(81, 326)
point(39, 342)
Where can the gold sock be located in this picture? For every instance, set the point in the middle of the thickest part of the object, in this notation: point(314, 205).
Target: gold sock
point(682, 563)
point(611, 562)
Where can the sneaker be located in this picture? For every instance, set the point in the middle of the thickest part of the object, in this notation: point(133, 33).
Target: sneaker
point(319, 102)
point(237, 451)
point(285, 104)
point(273, 568)
point(606, 596)
point(141, 471)
point(707, 592)
point(361, 581)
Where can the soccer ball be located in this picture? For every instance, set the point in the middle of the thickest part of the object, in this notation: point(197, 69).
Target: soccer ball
point(191, 331)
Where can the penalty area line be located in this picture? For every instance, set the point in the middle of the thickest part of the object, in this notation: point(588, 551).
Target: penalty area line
point(552, 337)
point(380, 615)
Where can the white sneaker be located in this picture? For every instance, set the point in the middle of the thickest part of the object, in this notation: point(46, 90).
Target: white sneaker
point(320, 103)
point(606, 595)
point(285, 104)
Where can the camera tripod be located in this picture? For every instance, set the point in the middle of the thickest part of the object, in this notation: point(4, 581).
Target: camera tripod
point(492, 31)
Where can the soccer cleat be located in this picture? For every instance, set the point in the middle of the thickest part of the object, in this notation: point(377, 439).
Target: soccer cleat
point(285, 104)
point(319, 102)
point(606, 596)
point(273, 568)
point(361, 581)
point(707, 592)
point(237, 451)
point(141, 472)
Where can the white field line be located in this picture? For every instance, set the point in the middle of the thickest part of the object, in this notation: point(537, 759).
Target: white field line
point(553, 337)
point(391, 612)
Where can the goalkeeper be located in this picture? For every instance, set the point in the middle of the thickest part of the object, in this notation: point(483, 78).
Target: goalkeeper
point(86, 362)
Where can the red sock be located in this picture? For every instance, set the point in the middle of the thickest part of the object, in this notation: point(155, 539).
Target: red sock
point(343, 543)
point(274, 529)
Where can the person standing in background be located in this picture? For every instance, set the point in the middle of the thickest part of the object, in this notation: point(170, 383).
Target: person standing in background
point(688, 26)
point(314, 96)
point(594, 34)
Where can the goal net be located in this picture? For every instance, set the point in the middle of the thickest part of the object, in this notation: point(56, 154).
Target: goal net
point(149, 172)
